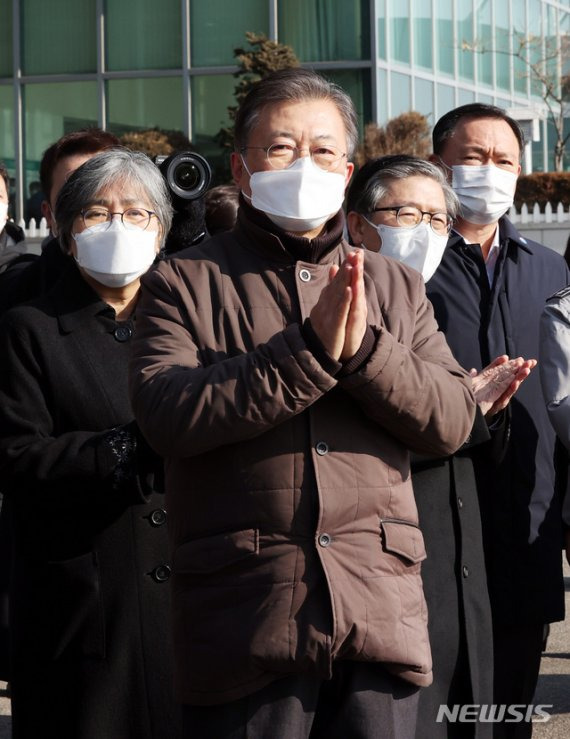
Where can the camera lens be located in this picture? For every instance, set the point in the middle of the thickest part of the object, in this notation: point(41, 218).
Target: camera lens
point(186, 176)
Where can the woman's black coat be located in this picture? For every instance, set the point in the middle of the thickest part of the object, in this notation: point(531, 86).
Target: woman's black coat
point(89, 597)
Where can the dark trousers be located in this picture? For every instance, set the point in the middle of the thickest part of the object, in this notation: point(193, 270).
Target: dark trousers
point(361, 701)
point(518, 650)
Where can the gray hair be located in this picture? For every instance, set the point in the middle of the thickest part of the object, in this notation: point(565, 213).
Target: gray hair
point(111, 167)
point(372, 182)
point(294, 86)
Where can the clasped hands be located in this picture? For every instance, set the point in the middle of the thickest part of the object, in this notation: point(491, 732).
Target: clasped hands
point(496, 384)
point(339, 318)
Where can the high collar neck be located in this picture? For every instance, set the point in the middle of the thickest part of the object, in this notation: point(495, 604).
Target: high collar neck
point(299, 247)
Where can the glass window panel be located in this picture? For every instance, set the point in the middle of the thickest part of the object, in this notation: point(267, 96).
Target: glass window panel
point(565, 42)
point(145, 103)
point(567, 152)
point(7, 139)
point(382, 94)
point(401, 101)
point(7, 124)
point(421, 13)
point(325, 30)
point(464, 97)
point(51, 110)
point(381, 10)
point(484, 98)
point(444, 36)
point(485, 37)
point(551, 140)
point(465, 36)
point(211, 96)
point(6, 38)
point(536, 51)
point(445, 99)
point(400, 30)
point(356, 83)
point(217, 27)
point(502, 43)
point(538, 150)
point(519, 32)
point(502, 103)
point(551, 43)
point(537, 156)
point(423, 98)
point(59, 36)
point(147, 35)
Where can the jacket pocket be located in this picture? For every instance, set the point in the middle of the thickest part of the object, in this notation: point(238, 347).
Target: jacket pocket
point(214, 553)
point(76, 620)
point(403, 538)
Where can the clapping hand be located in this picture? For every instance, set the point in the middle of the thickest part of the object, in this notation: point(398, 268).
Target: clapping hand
point(496, 384)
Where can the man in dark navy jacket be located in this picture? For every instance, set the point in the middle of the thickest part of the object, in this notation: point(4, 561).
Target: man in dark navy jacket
point(488, 294)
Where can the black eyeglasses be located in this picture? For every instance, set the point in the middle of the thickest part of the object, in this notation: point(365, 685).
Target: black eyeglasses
point(131, 218)
point(408, 216)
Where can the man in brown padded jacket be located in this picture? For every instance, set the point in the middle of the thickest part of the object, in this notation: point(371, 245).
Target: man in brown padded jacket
point(285, 376)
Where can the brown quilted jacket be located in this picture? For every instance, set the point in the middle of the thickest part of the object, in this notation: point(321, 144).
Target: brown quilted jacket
point(291, 514)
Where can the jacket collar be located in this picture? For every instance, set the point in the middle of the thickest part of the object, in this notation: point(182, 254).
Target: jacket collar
point(508, 234)
point(258, 233)
point(75, 301)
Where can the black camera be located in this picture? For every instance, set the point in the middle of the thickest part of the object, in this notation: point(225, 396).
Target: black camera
point(187, 174)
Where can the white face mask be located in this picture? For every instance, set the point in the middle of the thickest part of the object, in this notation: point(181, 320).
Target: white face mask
point(3, 215)
point(299, 198)
point(419, 247)
point(115, 256)
point(485, 192)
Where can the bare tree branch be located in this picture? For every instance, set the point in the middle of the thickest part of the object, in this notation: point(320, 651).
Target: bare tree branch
point(542, 57)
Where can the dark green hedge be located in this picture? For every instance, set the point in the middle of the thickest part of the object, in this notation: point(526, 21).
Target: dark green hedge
point(542, 188)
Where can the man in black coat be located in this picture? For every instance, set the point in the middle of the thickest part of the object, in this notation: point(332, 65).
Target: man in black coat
point(488, 294)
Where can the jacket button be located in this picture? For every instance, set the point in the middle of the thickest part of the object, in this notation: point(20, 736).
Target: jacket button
point(158, 517)
point(322, 448)
point(465, 571)
point(460, 502)
point(305, 275)
point(325, 540)
point(161, 573)
point(123, 333)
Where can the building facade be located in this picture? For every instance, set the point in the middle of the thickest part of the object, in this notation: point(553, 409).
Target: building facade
point(136, 64)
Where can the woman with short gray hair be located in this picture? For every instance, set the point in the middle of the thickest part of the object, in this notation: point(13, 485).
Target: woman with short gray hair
point(113, 169)
point(89, 599)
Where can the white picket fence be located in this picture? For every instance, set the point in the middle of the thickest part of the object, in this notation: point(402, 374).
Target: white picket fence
point(552, 214)
point(33, 230)
point(551, 228)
